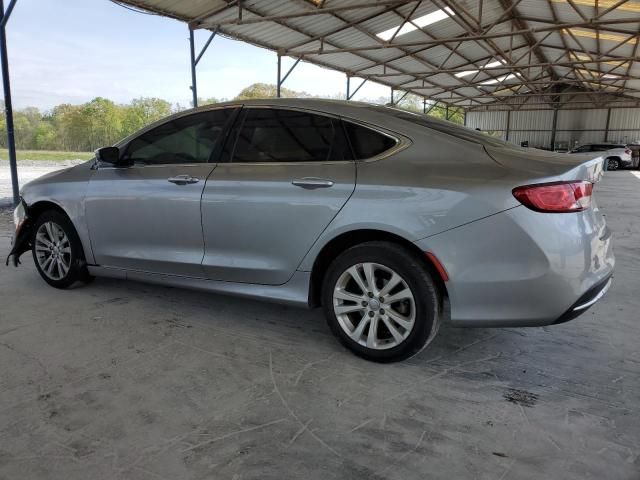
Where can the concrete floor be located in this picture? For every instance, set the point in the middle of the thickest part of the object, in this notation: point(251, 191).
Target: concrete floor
point(124, 380)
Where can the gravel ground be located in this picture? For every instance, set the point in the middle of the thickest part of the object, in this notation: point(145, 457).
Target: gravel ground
point(27, 170)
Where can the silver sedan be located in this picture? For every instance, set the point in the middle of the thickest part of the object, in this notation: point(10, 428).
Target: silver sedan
point(377, 215)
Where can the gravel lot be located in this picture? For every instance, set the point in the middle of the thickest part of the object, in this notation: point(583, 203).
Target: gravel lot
point(27, 170)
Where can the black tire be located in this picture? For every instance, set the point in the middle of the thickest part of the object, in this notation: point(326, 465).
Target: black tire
point(613, 163)
point(427, 300)
point(77, 271)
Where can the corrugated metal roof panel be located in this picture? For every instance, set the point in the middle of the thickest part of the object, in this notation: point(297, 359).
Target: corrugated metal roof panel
point(301, 28)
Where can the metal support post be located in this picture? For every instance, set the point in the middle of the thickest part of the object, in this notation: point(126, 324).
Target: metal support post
point(279, 83)
point(194, 78)
point(8, 106)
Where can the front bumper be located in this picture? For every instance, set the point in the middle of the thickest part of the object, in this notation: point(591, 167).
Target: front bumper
point(21, 241)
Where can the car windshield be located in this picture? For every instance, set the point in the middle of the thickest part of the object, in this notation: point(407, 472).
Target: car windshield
point(449, 128)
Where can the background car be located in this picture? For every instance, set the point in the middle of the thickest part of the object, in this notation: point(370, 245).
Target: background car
point(616, 155)
point(378, 215)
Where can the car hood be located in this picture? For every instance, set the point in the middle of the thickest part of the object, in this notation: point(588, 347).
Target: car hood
point(59, 176)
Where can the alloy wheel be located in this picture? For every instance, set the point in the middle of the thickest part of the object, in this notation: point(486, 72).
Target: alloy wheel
point(53, 250)
point(374, 306)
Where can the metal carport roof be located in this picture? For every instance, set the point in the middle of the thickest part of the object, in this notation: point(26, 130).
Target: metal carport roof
point(461, 53)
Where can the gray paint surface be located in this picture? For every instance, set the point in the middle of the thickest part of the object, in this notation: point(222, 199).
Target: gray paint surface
point(126, 380)
point(249, 224)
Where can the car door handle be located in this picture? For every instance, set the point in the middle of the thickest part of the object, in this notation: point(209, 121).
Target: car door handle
point(183, 179)
point(311, 183)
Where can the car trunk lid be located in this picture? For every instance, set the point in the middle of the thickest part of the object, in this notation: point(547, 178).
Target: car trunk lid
point(540, 165)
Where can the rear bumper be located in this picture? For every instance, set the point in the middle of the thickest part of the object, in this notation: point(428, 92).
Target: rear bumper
point(586, 301)
point(521, 268)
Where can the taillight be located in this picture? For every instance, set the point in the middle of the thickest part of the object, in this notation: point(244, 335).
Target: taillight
point(556, 197)
point(627, 151)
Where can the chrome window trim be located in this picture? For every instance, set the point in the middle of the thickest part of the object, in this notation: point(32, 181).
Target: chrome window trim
point(402, 142)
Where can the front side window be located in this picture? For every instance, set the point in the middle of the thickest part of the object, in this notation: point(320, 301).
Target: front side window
point(189, 139)
point(582, 149)
point(277, 135)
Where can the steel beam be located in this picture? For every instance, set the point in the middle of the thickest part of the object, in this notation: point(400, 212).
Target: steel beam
point(283, 79)
point(5, 17)
point(351, 94)
point(194, 77)
point(206, 46)
point(8, 106)
point(278, 82)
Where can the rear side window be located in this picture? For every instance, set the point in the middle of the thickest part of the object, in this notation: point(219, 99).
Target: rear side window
point(189, 139)
point(367, 143)
point(278, 135)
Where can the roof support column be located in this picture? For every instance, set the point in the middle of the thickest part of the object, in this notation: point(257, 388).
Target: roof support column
point(195, 60)
point(283, 79)
point(278, 82)
point(508, 130)
point(606, 128)
point(350, 94)
point(194, 76)
point(554, 127)
point(8, 106)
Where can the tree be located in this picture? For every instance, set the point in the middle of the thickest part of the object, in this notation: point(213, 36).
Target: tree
point(267, 90)
point(141, 112)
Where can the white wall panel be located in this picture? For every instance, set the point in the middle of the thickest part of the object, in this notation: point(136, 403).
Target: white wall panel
point(535, 139)
point(625, 118)
point(487, 120)
point(531, 120)
point(574, 127)
point(582, 119)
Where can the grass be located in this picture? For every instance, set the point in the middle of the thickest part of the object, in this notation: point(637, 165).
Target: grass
point(47, 155)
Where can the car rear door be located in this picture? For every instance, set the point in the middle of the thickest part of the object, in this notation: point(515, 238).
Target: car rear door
point(146, 217)
point(284, 176)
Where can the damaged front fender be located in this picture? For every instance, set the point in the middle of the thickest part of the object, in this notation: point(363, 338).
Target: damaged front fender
point(22, 238)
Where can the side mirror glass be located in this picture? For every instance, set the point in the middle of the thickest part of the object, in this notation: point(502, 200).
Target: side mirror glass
point(109, 155)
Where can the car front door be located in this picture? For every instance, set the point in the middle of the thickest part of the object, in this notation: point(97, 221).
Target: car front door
point(286, 176)
point(146, 217)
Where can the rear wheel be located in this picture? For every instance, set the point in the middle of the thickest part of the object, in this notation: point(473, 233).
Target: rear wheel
point(57, 251)
point(381, 302)
point(613, 163)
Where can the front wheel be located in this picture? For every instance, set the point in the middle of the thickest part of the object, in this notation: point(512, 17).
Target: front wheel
point(381, 302)
point(613, 164)
point(57, 251)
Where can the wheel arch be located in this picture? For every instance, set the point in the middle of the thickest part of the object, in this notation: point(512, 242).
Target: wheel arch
point(342, 242)
point(38, 208)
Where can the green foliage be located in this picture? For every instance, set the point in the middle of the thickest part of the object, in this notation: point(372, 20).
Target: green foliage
point(101, 122)
point(266, 90)
point(83, 127)
point(47, 155)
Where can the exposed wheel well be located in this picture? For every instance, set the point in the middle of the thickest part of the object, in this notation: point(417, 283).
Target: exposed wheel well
point(39, 208)
point(349, 239)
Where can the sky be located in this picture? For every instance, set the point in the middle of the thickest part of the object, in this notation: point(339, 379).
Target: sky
point(70, 51)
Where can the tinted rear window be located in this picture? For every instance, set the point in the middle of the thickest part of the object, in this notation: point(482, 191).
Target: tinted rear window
point(367, 143)
point(278, 135)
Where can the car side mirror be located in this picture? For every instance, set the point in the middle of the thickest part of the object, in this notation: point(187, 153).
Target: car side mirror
point(111, 155)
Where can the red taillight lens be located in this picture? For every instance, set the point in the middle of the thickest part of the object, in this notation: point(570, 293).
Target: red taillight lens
point(627, 151)
point(556, 197)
